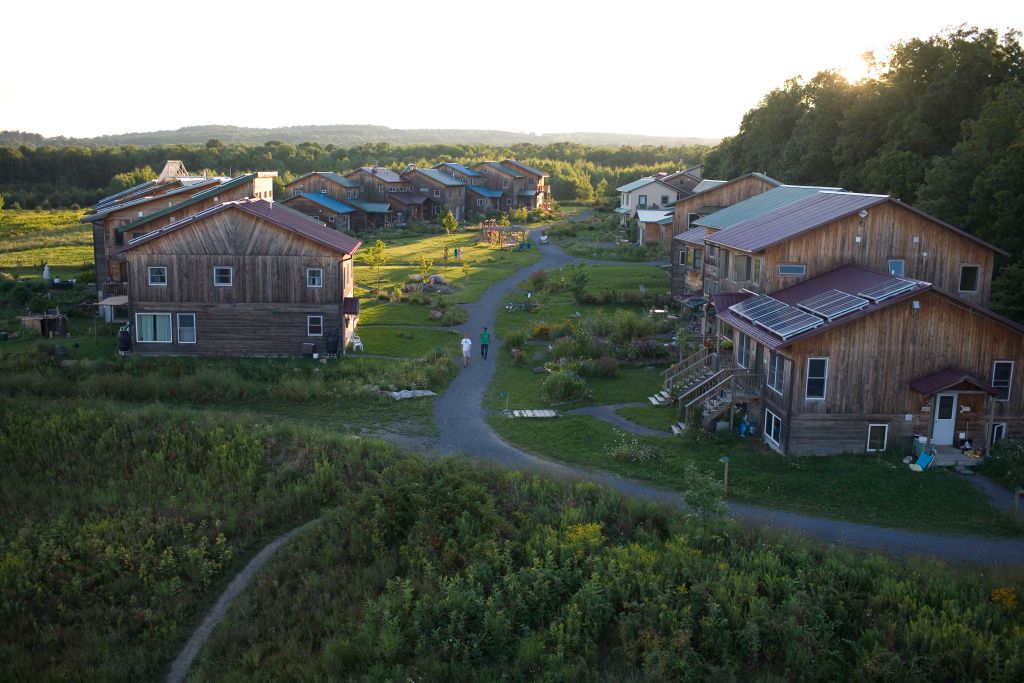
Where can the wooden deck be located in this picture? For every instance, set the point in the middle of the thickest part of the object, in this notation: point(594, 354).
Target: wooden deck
point(534, 413)
point(948, 456)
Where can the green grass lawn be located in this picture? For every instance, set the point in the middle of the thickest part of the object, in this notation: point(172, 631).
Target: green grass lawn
point(655, 417)
point(375, 312)
point(871, 489)
point(405, 342)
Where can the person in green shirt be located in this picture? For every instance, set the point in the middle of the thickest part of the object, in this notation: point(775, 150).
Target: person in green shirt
point(485, 340)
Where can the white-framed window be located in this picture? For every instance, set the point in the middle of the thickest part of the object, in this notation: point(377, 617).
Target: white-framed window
point(393, 189)
point(425, 190)
point(743, 351)
point(878, 437)
point(504, 184)
point(223, 276)
point(314, 277)
point(437, 193)
point(776, 372)
point(998, 432)
point(157, 276)
point(642, 200)
point(479, 202)
point(897, 267)
point(792, 270)
point(1002, 378)
point(323, 190)
point(314, 326)
point(186, 328)
point(682, 256)
point(153, 328)
point(296, 191)
point(330, 219)
point(969, 277)
point(625, 201)
point(756, 265)
point(772, 427)
point(817, 378)
point(508, 201)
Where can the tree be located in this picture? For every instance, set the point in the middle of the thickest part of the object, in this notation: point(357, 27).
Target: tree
point(449, 222)
point(376, 257)
point(503, 220)
point(601, 191)
point(424, 267)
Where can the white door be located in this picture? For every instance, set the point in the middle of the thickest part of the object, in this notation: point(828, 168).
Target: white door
point(945, 419)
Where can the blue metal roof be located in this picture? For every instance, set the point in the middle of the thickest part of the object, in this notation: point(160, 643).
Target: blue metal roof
point(757, 205)
point(464, 170)
point(441, 177)
point(485, 191)
point(327, 202)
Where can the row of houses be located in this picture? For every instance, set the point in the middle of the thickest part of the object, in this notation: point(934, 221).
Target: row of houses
point(855, 320)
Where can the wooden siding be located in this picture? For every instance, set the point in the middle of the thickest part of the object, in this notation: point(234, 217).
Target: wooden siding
point(317, 184)
point(887, 232)
point(873, 359)
point(720, 196)
point(452, 197)
point(321, 213)
point(374, 188)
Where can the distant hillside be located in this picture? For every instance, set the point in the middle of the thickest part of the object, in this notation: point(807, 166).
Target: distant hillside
point(346, 136)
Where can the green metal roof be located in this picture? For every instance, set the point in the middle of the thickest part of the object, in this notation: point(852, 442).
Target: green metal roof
point(369, 207)
point(340, 179)
point(504, 169)
point(195, 199)
point(757, 205)
point(441, 177)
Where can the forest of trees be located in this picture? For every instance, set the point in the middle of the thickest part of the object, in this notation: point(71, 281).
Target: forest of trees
point(941, 127)
point(49, 176)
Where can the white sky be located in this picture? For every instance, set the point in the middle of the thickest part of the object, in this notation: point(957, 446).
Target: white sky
point(659, 68)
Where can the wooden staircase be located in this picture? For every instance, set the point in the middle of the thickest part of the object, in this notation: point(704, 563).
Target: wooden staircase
point(684, 377)
point(716, 395)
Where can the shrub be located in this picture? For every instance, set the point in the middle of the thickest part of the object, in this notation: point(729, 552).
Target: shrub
point(641, 349)
point(539, 279)
point(598, 325)
point(515, 339)
point(605, 366)
point(1006, 463)
point(559, 330)
point(541, 330)
point(627, 325)
point(561, 387)
point(631, 448)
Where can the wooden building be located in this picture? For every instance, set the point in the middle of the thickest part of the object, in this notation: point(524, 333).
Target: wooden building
point(536, 193)
point(329, 211)
point(653, 226)
point(510, 182)
point(378, 182)
point(326, 183)
point(411, 206)
point(856, 360)
point(684, 181)
point(460, 172)
point(718, 195)
point(243, 278)
point(482, 200)
point(446, 192)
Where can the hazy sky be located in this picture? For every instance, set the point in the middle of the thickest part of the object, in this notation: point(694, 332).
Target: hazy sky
point(660, 68)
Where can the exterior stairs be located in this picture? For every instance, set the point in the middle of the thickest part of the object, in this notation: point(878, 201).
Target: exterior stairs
point(719, 393)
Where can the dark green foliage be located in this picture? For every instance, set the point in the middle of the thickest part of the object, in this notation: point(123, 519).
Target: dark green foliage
point(562, 387)
point(1005, 463)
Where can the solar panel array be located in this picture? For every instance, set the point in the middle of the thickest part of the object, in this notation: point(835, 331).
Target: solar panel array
point(887, 289)
point(786, 321)
point(833, 304)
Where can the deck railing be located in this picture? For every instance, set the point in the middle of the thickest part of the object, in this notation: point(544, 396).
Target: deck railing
point(108, 289)
point(734, 385)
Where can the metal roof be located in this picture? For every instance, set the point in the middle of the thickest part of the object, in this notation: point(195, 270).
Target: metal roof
point(196, 198)
point(758, 205)
point(464, 170)
point(528, 169)
point(636, 185)
point(485, 191)
point(369, 207)
point(813, 211)
point(110, 208)
point(621, 209)
point(407, 197)
point(123, 194)
point(329, 175)
point(324, 201)
point(944, 379)
point(504, 169)
point(440, 177)
point(651, 215)
point(707, 184)
point(693, 236)
point(282, 216)
point(385, 174)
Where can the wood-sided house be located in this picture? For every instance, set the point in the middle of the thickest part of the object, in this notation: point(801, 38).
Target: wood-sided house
point(243, 278)
point(445, 191)
point(684, 181)
point(536, 192)
point(378, 182)
point(508, 181)
point(328, 210)
point(460, 172)
point(856, 360)
point(252, 185)
point(326, 183)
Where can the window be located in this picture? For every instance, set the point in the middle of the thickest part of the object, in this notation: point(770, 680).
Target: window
point(504, 183)
point(878, 437)
point(723, 264)
point(896, 267)
point(664, 199)
point(625, 201)
point(323, 190)
point(998, 433)
point(314, 326)
point(158, 276)
point(223, 276)
point(508, 201)
point(698, 254)
point(437, 193)
point(1002, 376)
point(153, 327)
point(740, 268)
point(773, 427)
point(479, 202)
point(776, 372)
point(969, 278)
point(817, 378)
point(682, 256)
point(757, 264)
point(314, 277)
point(393, 189)
point(642, 201)
point(330, 218)
point(792, 270)
point(425, 190)
point(186, 328)
point(743, 351)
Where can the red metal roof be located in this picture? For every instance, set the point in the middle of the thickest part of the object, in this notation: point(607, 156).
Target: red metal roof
point(281, 216)
point(945, 379)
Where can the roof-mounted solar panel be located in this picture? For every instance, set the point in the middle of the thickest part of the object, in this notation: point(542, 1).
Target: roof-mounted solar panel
point(833, 304)
point(887, 289)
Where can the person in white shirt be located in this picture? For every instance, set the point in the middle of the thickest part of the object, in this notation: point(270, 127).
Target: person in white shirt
point(467, 349)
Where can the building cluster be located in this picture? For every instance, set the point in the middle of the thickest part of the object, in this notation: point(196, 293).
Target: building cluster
point(841, 321)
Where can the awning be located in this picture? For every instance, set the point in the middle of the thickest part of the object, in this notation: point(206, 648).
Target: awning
point(947, 379)
point(120, 300)
point(622, 209)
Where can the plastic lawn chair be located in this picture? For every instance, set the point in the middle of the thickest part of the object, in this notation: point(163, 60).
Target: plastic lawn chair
point(923, 462)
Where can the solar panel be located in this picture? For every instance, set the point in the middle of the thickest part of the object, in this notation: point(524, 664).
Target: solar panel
point(795, 326)
point(756, 306)
point(887, 289)
point(833, 304)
